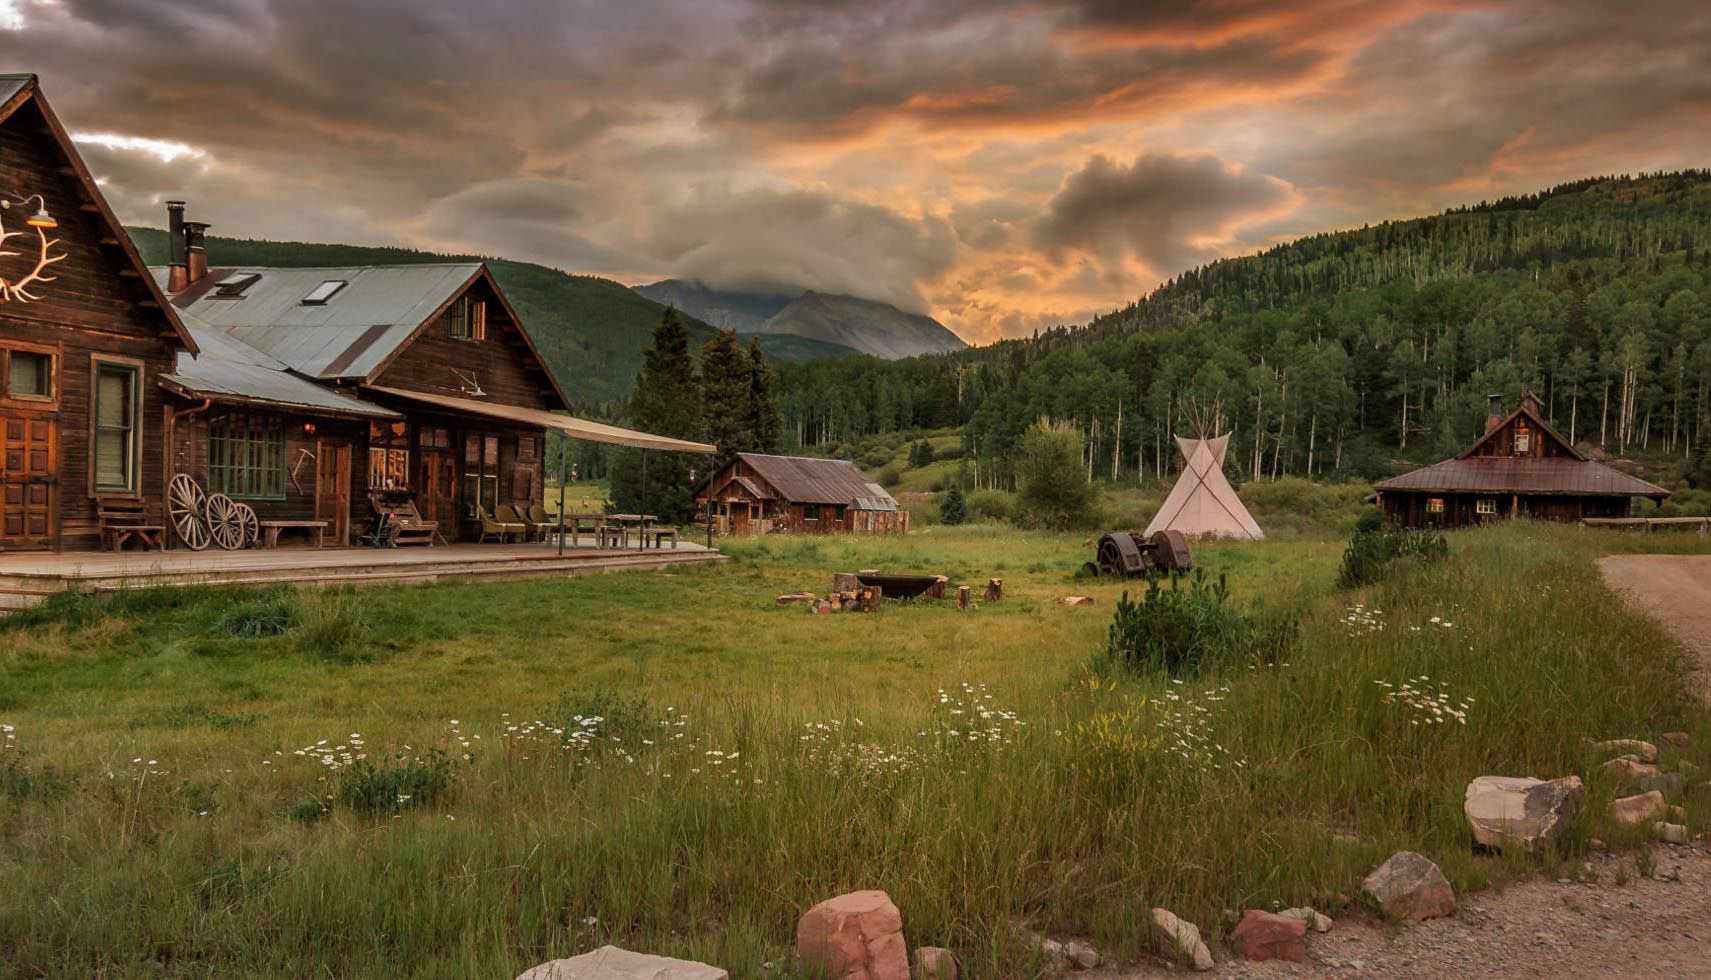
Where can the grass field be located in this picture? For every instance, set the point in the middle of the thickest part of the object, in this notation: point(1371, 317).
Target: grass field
point(167, 806)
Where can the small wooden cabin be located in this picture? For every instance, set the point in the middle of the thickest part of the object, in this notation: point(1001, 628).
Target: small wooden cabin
point(759, 494)
point(1520, 467)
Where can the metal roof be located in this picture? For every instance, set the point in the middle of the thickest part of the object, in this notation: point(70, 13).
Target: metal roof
point(11, 85)
point(1524, 475)
point(817, 481)
point(574, 427)
point(350, 334)
point(876, 499)
point(232, 371)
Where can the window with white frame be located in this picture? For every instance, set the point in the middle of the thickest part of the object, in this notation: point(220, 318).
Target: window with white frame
point(1485, 506)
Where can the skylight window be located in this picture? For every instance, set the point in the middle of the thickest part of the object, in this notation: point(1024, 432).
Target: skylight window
point(320, 294)
point(233, 286)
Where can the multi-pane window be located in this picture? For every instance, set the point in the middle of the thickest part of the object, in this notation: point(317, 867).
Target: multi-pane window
point(246, 456)
point(1434, 505)
point(466, 319)
point(28, 374)
point(117, 434)
point(1523, 440)
point(388, 456)
point(481, 472)
point(1486, 506)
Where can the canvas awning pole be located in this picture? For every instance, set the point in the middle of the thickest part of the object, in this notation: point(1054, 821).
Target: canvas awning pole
point(644, 485)
point(563, 456)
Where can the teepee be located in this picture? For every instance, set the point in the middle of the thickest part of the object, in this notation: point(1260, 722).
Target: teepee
point(1203, 503)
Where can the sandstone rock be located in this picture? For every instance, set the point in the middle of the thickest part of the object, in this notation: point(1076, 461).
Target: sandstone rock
point(1631, 811)
point(1667, 783)
point(1264, 936)
point(1625, 772)
point(1596, 843)
point(1076, 600)
point(1181, 939)
point(1056, 957)
point(1645, 750)
point(858, 936)
point(1314, 919)
point(1083, 955)
point(613, 963)
point(1670, 833)
point(1680, 740)
point(1521, 811)
point(1408, 886)
point(1678, 814)
point(934, 963)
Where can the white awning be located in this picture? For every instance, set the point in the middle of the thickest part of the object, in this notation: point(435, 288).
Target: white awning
point(570, 425)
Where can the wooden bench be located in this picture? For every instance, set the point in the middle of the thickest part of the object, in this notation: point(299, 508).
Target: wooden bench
point(126, 519)
point(657, 536)
point(271, 529)
point(412, 530)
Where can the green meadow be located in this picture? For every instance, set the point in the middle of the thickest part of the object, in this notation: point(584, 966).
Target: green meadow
point(467, 779)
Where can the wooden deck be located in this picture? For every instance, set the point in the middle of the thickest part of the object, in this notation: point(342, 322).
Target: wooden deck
point(27, 579)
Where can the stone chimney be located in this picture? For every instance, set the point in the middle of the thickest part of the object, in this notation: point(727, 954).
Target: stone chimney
point(1494, 413)
point(196, 253)
point(178, 260)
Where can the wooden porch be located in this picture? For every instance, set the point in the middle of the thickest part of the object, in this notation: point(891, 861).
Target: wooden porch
point(27, 579)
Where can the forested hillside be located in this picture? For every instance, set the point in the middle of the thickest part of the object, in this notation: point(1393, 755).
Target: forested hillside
point(1341, 353)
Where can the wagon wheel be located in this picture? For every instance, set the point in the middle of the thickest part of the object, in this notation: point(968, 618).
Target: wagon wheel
point(1110, 558)
point(224, 523)
point(186, 505)
point(250, 525)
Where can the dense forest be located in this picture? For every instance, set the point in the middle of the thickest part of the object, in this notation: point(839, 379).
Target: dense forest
point(1338, 354)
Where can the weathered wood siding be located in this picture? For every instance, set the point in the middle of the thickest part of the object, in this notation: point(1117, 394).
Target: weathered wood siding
point(502, 364)
point(189, 454)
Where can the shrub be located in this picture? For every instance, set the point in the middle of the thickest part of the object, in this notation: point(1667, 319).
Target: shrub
point(266, 615)
point(1055, 492)
point(920, 454)
point(875, 458)
point(411, 782)
point(890, 477)
point(1372, 552)
point(601, 712)
point(992, 505)
point(307, 811)
point(953, 509)
point(1177, 630)
point(335, 627)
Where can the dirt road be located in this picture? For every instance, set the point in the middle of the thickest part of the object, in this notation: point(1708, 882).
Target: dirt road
point(1676, 591)
point(1618, 924)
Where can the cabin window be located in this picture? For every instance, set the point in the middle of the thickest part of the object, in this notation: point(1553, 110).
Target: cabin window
point(246, 456)
point(28, 374)
point(1523, 440)
point(1487, 507)
point(388, 456)
point(466, 319)
point(118, 437)
point(481, 472)
point(1434, 505)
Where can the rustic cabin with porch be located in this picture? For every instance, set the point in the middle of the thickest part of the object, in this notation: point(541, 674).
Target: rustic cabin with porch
point(758, 494)
point(1520, 467)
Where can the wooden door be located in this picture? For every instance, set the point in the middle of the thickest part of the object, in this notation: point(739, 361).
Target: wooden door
point(29, 482)
point(436, 489)
point(333, 489)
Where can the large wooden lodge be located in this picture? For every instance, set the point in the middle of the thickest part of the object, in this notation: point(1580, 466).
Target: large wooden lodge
point(310, 395)
point(1520, 467)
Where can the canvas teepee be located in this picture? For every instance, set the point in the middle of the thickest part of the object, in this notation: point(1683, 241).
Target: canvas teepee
point(1203, 503)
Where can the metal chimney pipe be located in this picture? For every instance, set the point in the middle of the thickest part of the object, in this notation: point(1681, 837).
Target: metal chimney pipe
point(196, 253)
point(178, 257)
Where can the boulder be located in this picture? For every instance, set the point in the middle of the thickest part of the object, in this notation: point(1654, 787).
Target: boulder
point(613, 963)
point(1667, 783)
point(858, 936)
point(1181, 940)
point(1265, 936)
point(1076, 600)
point(1633, 811)
point(1680, 740)
point(1621, 746)
point(1626, 771)
point(1410, 887)
point(1520, 811)
point(1083, 955)
point(933, 963)
point(1670, 833)
point(1315, 920)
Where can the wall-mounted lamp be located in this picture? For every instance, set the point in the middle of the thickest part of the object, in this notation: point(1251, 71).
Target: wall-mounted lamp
point(41, 219)
point(308, 428)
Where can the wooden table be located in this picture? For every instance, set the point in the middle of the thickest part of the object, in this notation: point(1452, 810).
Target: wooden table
point(626, 522)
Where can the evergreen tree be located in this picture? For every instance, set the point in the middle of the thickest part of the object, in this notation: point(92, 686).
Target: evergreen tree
point(725, 381)
point(666, 401)
point(953, 509)
point(766, 424)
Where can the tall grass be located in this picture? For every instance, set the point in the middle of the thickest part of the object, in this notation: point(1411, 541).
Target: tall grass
point(1042, 793)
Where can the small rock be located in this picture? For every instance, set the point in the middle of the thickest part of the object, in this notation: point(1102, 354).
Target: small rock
point(1625, 771)
point(1181, 939)
point(933, 963)
point(1678, 814)
point(1314, 919)
point(1630, 811)
point(1680, 740)
point(1667, 783)
point(1056, 957)
point(1520, 810)
point(1619, 746)
point(1264, 936)
point(1083, 955)
point(858, 936)
point(1670, 833)
point(1596, 843)
point(1076, 600)
point(1410, 887)
point(613, 963)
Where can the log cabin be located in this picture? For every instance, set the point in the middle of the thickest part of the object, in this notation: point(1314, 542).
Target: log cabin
point(1519, 467)
point(317, 398)
point(757, 494)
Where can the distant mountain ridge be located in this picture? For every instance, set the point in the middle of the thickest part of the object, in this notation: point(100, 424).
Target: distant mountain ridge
point(865, 325)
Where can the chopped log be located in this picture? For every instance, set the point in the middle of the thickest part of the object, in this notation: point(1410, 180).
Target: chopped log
point(875, 599)
point(845, 582)
point(937, 589)
point(994, 589)
point(822, 607)
point(962, 597)
point(1076, 600)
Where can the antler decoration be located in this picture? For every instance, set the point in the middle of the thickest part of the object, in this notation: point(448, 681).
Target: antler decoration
point(10, 290)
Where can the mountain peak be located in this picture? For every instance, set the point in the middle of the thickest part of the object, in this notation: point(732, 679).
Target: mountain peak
point(866, 325)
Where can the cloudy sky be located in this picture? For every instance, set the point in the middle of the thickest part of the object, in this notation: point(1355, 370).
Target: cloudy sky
point(1002, 166)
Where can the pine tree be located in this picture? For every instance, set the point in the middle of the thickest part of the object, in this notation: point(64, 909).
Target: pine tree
point(766, 424)
point(666, 401)
point(725, 381)
point(953, 509)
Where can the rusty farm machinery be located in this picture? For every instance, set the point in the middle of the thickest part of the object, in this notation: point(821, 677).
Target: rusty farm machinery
point(1126, 554)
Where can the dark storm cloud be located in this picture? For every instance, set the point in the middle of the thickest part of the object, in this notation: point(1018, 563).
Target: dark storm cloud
point(1155, 209)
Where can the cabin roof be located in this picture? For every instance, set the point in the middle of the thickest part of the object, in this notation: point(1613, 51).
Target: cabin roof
point(1525, 408)
point(230, 370)
point(1524, 475)
point(350, 335)
point(805, 480)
